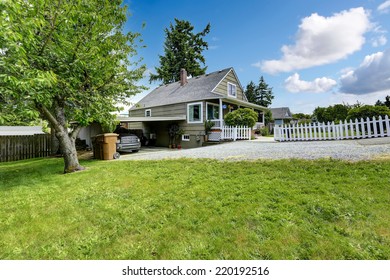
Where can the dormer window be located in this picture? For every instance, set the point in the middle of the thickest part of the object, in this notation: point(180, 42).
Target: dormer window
point(148, 113)
point(232, 91)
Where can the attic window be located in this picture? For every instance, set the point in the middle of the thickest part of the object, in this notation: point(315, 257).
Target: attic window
point(148, 113)
point(232, 90)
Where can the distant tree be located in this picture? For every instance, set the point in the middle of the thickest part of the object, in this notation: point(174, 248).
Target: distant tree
point(368, 111)
point(264, 93)
point(337, 112)
point(69, 61)
point(301, 116)
point(182, 49)
point(251, 92)
point(384, 103)
point(261, 94)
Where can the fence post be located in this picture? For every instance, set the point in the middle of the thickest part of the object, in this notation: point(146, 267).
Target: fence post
point(387, 125)
point(357, 128)
point(369, 127)
point(382, 132)
point(374, 127)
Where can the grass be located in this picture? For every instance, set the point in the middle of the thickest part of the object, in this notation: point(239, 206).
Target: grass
point(195, 209)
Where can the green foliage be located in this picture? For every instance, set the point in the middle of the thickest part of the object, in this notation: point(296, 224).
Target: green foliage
point(183, 49)
point(68, 61)
point(332, 113)
point(241, 117)
point(194, 209)
point(267, 117)
point(301, 116)
point(208, 125)
point(384, 103)
point(368, 111)
point(264, 131)
point(261, 94)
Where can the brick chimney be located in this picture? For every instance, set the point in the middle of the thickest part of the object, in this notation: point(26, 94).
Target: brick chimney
point(183, 76)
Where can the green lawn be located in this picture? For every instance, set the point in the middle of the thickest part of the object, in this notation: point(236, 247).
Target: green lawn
point(195, 209)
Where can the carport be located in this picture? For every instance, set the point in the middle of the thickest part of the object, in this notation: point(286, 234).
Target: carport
point(153, 128)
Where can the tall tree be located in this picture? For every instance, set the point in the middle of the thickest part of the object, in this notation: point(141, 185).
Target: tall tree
point(264, 93)
point(261, 94)
point(182, 49)
point(69, 61)
point(251, 92)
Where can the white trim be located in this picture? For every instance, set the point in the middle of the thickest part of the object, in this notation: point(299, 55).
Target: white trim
point(151, 119)
point(235, 75)
point(207, 111)
point(185, 138)
point(146, 113)
point(235, 89)
point(201, 112)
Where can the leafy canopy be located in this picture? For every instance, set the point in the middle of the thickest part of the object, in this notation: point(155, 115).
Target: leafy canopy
point(182, 49)
point(67, 55)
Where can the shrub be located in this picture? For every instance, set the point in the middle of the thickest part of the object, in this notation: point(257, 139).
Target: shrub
point(368, 111)
point(241, 117)
point(264, 131)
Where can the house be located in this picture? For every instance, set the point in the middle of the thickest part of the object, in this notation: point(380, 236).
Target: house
point(187, 104)
point(281, 115)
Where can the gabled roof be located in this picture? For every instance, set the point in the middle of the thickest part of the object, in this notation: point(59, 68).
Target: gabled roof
point(197, 88)
point(281, 113)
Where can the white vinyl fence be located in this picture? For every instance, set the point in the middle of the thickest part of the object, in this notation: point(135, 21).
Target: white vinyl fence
point(379, 127)
point(236, 132)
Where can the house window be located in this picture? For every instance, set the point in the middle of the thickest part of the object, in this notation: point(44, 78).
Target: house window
point(148, 113)
point(195, 113)
point(212, 111)
point(232, 90)
point(185, 137)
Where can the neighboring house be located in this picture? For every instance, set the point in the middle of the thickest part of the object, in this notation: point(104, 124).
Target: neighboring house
point(281, 115)
point(20, 130)
point(189, 103)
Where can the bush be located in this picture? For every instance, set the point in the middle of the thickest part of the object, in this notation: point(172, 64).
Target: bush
point(264, 131)
point(368, 111)
point(241, 117)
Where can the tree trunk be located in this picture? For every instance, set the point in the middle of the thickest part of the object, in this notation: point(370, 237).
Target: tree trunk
point(68, 147)
point(66, 140)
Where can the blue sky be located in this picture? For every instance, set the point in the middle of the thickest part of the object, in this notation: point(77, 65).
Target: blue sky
point(311, 52)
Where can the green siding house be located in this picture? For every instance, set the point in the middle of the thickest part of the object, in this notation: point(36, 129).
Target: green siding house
point(189, 103)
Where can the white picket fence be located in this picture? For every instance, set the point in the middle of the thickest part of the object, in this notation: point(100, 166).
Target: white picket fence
point(235, 132)
point(344, 130)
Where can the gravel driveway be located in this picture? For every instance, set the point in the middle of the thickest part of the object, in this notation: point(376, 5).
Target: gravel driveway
point(251, 150)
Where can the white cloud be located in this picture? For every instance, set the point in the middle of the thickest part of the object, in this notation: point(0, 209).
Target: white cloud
point(379, 41)
point(294, 84)
point(384, 7)
point(373, 75)
point(322, 40)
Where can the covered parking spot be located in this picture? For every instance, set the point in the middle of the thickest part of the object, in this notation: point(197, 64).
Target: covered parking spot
point(155, 129)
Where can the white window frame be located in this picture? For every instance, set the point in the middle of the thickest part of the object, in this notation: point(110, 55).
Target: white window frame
point(207, 111)
point(148, 111)
point(185, 137)
point(201, 112)
point(235, 89)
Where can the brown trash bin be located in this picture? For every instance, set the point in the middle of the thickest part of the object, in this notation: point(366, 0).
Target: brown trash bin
point(105, 146)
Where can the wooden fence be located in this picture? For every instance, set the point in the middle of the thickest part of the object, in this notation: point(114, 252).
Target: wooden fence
point(236, 132)
point(20, 147)
point(344, 130)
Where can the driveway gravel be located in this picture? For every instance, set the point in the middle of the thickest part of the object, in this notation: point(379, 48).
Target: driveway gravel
point(352, 150)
